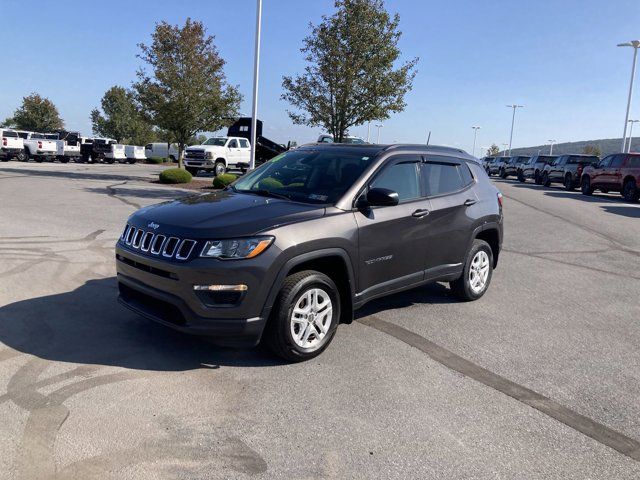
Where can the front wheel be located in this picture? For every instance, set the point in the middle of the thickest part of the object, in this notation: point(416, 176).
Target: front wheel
point(586, 187)
point(219, 168)
point(477, 273)
point(568, 183)
point(537, 178)
point(630, 191)
point(503, 173)
point(305, 317)
point(546, 181)
point(521, 177)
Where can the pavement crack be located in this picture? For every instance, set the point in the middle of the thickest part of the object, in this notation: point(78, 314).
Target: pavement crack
point(111, 191)
point(585, 425)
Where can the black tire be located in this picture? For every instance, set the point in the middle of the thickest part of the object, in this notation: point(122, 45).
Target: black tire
point(521, 178)
point(64, 160)
point(278, 334)
point(22, 156)
point(462, 287)
point(630, 191)
point(585, 186)
point(219, 168)
point(537, 178)
point(546, 181)
point(192, 170)
point(131, 161)
point(38, 159)
point(503, 173)
point(569, 184)
point(110, 161)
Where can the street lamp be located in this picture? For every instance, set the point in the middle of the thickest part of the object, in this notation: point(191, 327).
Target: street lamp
point(551, 147)
point(378, 126)
point(505, 145)
point(635, 44)
point(513, 119)
point(256, 68)
point(368, 131)
point(631, 134)
point(475, 135)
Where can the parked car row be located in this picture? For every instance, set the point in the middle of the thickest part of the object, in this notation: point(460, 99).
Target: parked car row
point(65, 146)
point(619, 172)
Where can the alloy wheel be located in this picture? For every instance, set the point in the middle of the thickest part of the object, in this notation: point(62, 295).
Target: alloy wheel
point(311, 319)
point(479, 271)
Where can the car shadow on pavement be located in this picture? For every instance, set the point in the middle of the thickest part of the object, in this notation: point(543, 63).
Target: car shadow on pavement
point(88, 326)
point(431, 294)
point(133, 192)
point(631, 212)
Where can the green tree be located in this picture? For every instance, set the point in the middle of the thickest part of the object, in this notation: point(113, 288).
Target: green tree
point(186, 90)
point(493, 150)
point(122, 119)
point(592, 150)
point(352, 74)
point(37, 114)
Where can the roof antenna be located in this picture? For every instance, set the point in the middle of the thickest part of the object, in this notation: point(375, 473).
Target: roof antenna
point(429, 137)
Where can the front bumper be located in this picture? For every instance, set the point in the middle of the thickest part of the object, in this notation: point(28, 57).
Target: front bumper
point(163, 292)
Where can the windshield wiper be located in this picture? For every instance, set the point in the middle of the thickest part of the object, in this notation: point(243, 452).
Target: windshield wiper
point(268, 193)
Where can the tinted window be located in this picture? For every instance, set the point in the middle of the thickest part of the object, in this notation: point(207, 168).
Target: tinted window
point(617, 161)
point(244, 143)
point(401, 178)
point(8, 133)
point(605, 162)
point(633, 162)
point(23, 134)
point(441, 178)
point(465, 174)
point(233, 144)
point(578, 159)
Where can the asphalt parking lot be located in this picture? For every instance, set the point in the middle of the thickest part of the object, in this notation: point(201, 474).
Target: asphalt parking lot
point(538, 379)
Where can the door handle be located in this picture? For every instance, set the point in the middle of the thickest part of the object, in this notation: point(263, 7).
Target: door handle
point(421, 212)
point(469, 201)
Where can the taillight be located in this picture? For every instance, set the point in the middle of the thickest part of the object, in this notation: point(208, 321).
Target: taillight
point(4, 142)
point(40, 145)
point(500, 199)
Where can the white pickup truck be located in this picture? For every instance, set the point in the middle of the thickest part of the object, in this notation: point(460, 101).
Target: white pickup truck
point(134, 153)
point(218, 154)
point(38, 147)
point(10, 145)
point(116, 153)
point(68, 146)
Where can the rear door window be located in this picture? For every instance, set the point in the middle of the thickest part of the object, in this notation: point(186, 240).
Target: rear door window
point(441, 178)
point(633, 162)
point(244, 143)
point(617, 161)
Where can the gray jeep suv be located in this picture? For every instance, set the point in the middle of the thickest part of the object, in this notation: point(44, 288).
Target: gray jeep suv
point(293, 248)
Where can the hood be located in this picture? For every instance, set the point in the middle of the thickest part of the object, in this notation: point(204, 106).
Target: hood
point(223, 214)
point(203, 148)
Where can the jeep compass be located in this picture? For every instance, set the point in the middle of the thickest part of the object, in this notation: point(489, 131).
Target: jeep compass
point(293, 248)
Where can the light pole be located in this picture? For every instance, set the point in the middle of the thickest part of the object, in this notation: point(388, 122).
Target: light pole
point(379, 126)
point(475, 136)
point(635, 44)
point(256, 69)
point(368, 131)
point(551, 147)
point(505, 145)
point(631, 134)
point(513, 119)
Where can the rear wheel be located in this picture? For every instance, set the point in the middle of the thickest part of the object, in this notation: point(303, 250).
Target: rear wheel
point(630, 191)
point(305, 317)
point(521, 177)
point(537, 178)
point(477, 273)
point(568, 183)
point(503, 173)
point(586, 187)
point(22, 156)
point(546, 181)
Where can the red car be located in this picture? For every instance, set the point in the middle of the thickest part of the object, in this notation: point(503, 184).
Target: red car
point(617, 173)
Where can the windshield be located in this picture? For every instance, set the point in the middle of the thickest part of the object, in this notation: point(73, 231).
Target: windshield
point(217, 141)
point(306, 176)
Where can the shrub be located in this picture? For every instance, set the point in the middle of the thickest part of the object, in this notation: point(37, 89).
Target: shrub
point(223, 180)
point(175, 175)
point(269, 182)
point(156, 160)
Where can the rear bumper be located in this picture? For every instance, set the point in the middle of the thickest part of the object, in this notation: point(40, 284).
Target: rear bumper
point(6, 152)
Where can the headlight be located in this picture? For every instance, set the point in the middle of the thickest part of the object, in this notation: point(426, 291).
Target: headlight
point(236, 248)
point(208, 155)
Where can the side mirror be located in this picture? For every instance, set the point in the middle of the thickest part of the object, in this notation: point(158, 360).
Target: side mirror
point(381, 197)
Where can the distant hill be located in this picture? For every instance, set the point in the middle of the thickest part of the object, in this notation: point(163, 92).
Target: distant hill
point(607, 147)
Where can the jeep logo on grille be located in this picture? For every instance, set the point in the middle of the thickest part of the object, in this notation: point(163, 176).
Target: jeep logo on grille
point(153, 225)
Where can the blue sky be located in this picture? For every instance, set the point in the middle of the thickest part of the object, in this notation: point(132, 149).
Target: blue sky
point(558, 58)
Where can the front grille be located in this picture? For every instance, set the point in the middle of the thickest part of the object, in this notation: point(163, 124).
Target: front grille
point(195, 155)
point(157, 245)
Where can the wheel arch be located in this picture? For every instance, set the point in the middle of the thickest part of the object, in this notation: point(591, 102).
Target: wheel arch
point(490, 233)
point(333, 262)
point(221, 159)
point(629, 178)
